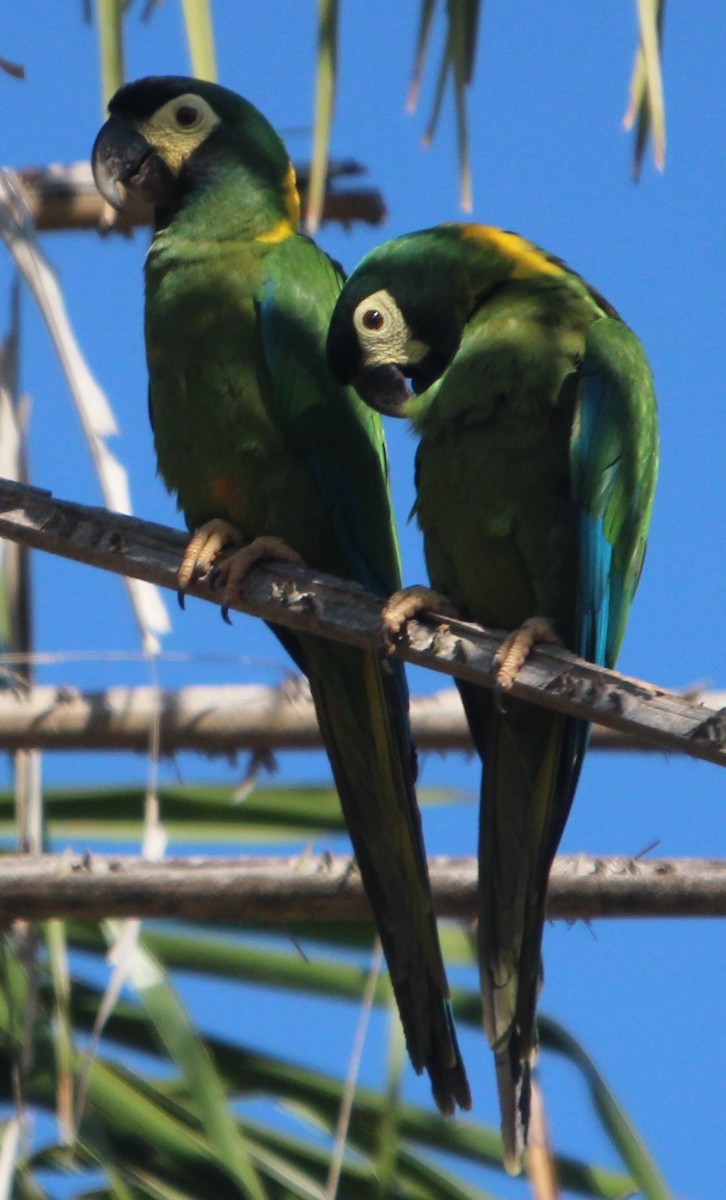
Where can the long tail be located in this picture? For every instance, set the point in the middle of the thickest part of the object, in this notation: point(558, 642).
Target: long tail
point(532, 762)
point(361, 703)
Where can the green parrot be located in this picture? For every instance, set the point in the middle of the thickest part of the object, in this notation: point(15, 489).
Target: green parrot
point(258, 441)
point(535, 471)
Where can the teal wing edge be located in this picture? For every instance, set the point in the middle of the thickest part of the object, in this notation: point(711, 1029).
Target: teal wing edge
point(614, 465)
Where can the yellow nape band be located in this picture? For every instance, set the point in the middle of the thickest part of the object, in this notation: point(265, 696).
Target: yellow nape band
point(526, 258)
point(292, 198)
point(289, 224)
point(277, 233)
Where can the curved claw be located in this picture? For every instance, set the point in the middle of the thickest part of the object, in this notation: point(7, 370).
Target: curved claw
point(203, 548)
point(218, 537)
point(407, 603)
point(181, 598)
point(233, 570)
point(516, 649)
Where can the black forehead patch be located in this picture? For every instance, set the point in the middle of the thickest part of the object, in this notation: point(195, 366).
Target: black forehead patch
point(141, 99)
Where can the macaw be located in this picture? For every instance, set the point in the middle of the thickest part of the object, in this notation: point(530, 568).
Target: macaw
point(536, 464)
point(258, 441)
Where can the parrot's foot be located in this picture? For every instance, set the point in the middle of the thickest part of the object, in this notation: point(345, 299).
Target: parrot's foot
point(204, 546)
point(231, 572)
point(403, 605)
point(516, 648)
point(207, 542)
point(217, 537)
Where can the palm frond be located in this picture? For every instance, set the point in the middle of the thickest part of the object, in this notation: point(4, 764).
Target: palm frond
point(94, 410)
point(110, 15)
point(325, 81)
point(614, 1120)
point(200, 38)
point(646, 109)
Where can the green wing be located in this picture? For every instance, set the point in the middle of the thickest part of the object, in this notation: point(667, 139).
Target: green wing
point(340, 438)
point(360, 697)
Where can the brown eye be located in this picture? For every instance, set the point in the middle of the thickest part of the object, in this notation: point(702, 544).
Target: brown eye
point(373, 319)
point(186, 116)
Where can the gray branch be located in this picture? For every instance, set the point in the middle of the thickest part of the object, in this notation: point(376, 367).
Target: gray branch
point(64, 197)
point(320, 604)
point(274, 891)
point(224, 719)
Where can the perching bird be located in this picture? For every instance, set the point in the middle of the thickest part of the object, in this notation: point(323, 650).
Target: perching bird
point(535, 473)
point(252, 431)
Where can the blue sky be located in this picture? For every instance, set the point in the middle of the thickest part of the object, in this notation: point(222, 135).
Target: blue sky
point(550, 160)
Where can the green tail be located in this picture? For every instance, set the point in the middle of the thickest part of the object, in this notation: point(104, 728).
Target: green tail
point(364, 726)
point(531, 764)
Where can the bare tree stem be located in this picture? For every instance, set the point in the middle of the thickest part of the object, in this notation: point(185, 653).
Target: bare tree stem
point(276, 890)
point(222, 719)
point(64, 197)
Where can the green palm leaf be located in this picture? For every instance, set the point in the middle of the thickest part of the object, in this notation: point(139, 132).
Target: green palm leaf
point(200, 38)
point(325, 79)
point(109, 16)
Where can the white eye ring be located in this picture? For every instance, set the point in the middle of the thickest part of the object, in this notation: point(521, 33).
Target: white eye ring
point(381, 328)
point(377, 313)
point(174, 140)
point(383, 332)
point(166, 120)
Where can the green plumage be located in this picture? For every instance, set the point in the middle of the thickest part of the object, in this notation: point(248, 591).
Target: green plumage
point(250, 426)
point(535, 472)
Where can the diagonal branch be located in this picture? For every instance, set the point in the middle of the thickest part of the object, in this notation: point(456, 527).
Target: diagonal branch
point(277, 890)
point(316, 603)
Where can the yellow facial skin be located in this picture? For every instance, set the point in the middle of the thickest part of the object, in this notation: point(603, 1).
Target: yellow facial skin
point(175, 136)
point(176, 129)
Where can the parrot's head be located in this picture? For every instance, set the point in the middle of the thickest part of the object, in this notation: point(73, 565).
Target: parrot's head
point(170, 140)
point(401, 315)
